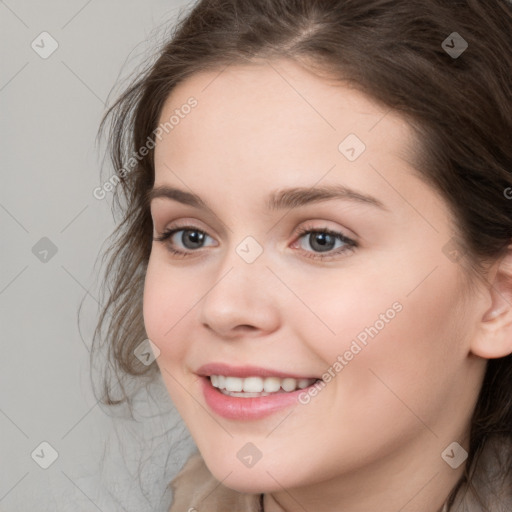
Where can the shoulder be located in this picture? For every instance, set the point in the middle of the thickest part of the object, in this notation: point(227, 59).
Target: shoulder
point(195, 489)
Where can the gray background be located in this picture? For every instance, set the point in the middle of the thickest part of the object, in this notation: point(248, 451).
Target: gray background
point(50, 111)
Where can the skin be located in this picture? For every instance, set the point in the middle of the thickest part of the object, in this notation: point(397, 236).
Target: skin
point(372, 438)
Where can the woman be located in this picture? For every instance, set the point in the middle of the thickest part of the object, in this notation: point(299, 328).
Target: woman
point(316, 240)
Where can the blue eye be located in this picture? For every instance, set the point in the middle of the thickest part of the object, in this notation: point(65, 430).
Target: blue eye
point(322, 241)
point(190, 238)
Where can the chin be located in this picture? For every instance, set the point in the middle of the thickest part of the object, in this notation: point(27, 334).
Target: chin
point(250, 484)
point(253, 480)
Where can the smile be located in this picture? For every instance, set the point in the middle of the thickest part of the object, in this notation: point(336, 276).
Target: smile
point(250, 387)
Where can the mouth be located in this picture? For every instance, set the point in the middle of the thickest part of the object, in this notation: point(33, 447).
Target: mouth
point(251, 393)
point(254, 386)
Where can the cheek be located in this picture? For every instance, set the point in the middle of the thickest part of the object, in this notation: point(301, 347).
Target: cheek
point(401, 314)
point(344, 306)
point(410, 361)
point(403, 336)
point(167, 300)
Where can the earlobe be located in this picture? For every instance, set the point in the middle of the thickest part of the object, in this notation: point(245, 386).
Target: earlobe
point(493, 338)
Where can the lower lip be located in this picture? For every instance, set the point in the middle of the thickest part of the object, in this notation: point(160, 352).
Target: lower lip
point(239, 408)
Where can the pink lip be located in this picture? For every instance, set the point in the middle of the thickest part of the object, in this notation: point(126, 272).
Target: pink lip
point(246, 371)
point(239, 408)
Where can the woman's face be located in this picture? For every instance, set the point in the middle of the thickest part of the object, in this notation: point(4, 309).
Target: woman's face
point(377, 310)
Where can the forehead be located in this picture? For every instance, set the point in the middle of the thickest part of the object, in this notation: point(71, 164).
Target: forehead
point(274, 125)
point(275, 109)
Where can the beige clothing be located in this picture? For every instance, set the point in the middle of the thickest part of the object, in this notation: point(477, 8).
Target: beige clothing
point(196, 490)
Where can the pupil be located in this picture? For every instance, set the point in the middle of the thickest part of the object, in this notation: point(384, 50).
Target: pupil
point(321, 241)
point(194, 236)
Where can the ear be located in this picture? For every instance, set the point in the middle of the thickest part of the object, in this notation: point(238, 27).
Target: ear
point(493, 338)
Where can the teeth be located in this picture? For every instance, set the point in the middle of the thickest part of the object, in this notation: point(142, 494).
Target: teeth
point(289, 384)
point(272, 384)
point(303, 383)
point(234, 384)
point(258, 386)
point(250, 385)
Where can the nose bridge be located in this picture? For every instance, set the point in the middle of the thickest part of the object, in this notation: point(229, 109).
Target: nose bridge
point(245, 259)
point(242, 272)
point(240, 293)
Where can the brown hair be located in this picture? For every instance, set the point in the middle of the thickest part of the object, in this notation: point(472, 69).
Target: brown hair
point(459, 107)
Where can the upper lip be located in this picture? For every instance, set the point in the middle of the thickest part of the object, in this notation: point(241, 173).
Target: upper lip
point(246, 371)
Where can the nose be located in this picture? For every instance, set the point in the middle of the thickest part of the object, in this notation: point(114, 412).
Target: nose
point(240, 299)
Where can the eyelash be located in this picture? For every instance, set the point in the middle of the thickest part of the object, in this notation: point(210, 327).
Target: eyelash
point(350, 244)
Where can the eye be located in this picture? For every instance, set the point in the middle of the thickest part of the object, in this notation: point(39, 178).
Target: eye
point(192, 238)
point(323, 240)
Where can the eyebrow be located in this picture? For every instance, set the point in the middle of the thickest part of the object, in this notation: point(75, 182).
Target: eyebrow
point(278, 200)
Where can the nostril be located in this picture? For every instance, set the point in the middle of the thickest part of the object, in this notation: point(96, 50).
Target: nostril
point(246, 327)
